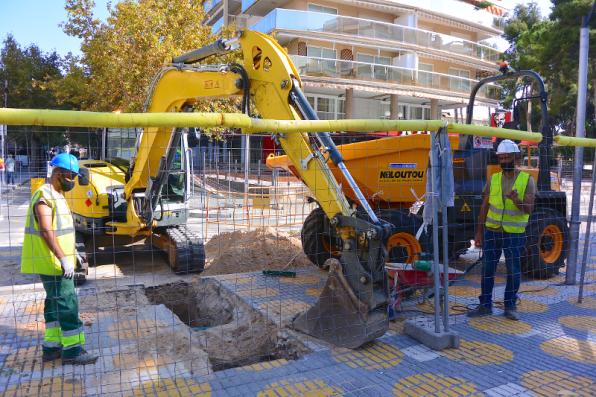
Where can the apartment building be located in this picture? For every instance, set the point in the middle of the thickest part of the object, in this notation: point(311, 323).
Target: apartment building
point(397, 59)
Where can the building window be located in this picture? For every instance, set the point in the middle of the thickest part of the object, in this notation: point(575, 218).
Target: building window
point(374, 70)
point(327, 107)
point(461, 82)
point(425, 75)
point(318, 65)
point(323, 9)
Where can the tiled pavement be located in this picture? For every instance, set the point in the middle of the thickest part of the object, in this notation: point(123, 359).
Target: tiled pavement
point(550, 352)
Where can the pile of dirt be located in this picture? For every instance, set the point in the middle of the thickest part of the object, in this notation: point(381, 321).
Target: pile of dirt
point(250, 251)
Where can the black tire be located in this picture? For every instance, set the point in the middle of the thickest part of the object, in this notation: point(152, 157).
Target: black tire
point(540, 241)
point(80, 247)
point(318, 237)
point(79, 279)
point(406, 223)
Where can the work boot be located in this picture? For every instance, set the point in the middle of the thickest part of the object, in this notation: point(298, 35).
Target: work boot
point(51, 355)
point(480, 311)
point(511, 314)
point(82, 359)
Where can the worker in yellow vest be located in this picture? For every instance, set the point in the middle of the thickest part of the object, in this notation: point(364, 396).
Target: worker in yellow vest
point(508, 201)
point(49, 250)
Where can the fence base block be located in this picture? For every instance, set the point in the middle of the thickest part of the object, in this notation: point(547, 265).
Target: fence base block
point(426, 335)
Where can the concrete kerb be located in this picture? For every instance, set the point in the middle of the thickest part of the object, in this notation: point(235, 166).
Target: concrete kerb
point(425, 334)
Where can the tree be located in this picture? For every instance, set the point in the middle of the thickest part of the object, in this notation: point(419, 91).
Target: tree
point(31, 76)
point(551, 48)
point(28, 72)
point(122, 55)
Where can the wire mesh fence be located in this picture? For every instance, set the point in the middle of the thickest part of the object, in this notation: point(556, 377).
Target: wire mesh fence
point(160, 323)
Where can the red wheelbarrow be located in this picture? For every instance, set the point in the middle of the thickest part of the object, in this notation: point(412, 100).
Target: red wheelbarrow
point(405, 281)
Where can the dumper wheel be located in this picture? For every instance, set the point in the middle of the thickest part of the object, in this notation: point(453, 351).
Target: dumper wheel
point(547, 239)
point(402, 246)
point(319, 241)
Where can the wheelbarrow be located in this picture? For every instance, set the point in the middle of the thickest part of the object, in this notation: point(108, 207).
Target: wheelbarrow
point(405, 281)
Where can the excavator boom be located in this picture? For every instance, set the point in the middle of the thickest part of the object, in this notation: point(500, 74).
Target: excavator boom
point(352, 309)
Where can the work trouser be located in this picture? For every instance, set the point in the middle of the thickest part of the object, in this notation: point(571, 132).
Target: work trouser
point(495, 243)
point(64, 329)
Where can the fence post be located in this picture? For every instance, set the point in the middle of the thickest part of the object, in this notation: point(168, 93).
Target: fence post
point(587, 244)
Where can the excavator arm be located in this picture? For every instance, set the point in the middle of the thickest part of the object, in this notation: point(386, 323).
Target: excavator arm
point(352, 308)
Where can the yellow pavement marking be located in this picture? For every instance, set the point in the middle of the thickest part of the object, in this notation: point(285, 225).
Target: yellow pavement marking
point(260, 292)
point(35, 307)
point(283, 307)
point(428, 307)
point(302, 279)
point(28, 359)
point(377, 355)
point(265, 365)
point(477, 278)
point(588, 302)
point(428, 384)
point(581, 323)
point(528, 306)
point(166, 387)
point(137, 359)
point(309, 388)
point(47, 387)
point(134, 329)
point(571, 349)
point(537, 290)
point(499, 325)
point(313, 291)
point(479, 353)
point(558, 383)
point(463, 290)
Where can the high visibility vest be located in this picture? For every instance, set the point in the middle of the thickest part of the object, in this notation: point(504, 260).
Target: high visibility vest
point(507, 215)
point(36, 257)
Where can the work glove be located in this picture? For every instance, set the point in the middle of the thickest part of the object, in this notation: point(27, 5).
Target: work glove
point(80, 259)
point(68, 267)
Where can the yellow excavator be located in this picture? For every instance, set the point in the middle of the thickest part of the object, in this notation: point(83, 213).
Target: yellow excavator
point(146, 196)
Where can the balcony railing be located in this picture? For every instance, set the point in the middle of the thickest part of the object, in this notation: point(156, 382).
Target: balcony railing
point(328, 23)
point(335, 68)
point(457, 9)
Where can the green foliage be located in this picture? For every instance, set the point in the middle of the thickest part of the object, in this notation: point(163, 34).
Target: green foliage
point(28, 72)
point(551, 48)
point(122, 55)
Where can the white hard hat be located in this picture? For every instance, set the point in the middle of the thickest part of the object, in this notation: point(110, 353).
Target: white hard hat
point(507, 146)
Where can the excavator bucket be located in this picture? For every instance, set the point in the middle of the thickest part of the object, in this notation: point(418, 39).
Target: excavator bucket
point(339, 317)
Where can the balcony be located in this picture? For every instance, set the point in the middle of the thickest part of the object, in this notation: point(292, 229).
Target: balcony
point(296, 20)
point(459, 10)
point(335, 68)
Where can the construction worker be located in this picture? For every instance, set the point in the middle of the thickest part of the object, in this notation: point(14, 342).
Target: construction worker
point(508, 201)
point(10, 163)
point(49, 250)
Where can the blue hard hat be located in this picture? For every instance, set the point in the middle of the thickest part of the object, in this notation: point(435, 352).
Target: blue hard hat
point(66, 161)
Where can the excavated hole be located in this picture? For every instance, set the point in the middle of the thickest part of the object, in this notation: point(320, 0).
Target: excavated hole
point(231, 332)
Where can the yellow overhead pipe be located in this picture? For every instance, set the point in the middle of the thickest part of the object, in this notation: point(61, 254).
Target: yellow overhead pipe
point(573, 141)
point(71, 118)
point(480, 130)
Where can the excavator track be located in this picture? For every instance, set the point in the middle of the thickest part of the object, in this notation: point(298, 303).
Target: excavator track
point(184, 249)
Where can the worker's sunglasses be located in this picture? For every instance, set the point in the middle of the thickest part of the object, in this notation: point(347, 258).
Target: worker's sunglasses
point(69, 174)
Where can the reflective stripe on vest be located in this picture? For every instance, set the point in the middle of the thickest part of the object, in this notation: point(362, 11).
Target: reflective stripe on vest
point(507, 215)
point(36, 257)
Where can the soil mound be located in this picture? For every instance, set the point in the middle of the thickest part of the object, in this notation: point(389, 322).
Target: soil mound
point(254, 250)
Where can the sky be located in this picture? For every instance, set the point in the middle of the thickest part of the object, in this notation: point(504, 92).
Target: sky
point(37, 21)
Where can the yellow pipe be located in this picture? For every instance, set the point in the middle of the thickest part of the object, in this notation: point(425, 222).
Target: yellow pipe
point(480, 130)
point(573, 141)
point(70, 118)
